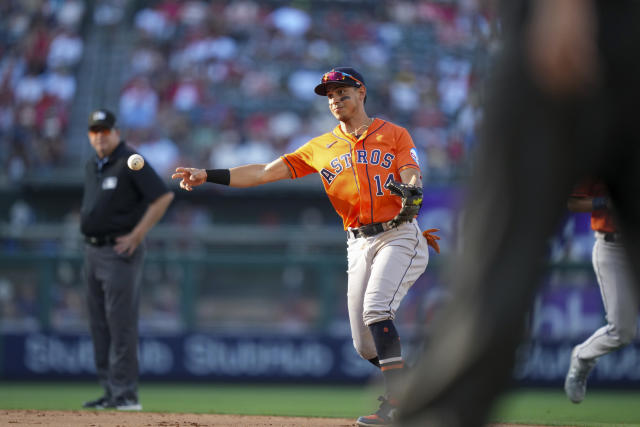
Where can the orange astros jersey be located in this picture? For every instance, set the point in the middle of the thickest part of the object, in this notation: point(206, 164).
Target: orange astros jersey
point(354, 171)
point(601, 220)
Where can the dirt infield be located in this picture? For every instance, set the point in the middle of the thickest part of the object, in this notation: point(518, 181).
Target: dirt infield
point(126, 419)
point(113, 419)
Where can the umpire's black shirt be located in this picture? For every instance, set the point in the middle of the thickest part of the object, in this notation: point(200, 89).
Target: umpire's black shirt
point(116, 197)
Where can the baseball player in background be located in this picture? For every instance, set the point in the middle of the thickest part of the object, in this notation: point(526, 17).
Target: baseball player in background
point(370, 171)
point(616, 287)
point(561, 104)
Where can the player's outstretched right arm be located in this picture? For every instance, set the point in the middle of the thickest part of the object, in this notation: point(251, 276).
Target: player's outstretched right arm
point(241, 176)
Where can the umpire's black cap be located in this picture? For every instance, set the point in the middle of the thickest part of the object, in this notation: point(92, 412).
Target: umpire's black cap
point(102, 118)
point(344, 75)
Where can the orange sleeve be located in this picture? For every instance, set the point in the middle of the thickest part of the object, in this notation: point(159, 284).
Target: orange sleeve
point(406, 151)
point(300, 161)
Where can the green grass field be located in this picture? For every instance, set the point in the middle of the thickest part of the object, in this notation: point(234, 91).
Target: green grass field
point(544, 407)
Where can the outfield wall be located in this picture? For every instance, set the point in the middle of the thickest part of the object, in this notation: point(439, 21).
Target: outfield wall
point(274, 358)
point(238, 301)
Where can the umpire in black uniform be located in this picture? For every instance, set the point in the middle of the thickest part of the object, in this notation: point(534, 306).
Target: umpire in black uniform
point(119, 207)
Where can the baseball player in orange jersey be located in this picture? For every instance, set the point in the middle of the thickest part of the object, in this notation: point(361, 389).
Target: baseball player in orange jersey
point(616, 287)
point(365, 165)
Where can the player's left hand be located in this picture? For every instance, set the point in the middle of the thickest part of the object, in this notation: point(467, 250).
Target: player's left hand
point(190, 177)
point(127, 244)
point(411, 201)
point(432, 239)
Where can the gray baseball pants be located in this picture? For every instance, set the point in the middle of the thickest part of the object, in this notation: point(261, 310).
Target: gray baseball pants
point(113, 297)
point(382, 268)
point(618, 291)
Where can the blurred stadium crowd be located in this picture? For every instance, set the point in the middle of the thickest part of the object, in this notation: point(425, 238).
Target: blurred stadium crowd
point(230, 82)
point(41, 46)
point(217, 84)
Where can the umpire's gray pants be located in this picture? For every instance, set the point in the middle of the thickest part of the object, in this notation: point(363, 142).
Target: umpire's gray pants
point(113, 297)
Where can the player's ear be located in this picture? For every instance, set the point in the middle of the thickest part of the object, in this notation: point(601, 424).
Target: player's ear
point(362, 94)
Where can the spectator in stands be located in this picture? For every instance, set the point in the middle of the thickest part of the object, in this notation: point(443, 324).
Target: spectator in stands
point(30, 88)
point(160, 152)
point(65, 50)
point(69, 13)
point(139, 104)
point(108, 13)
point(39, 53)
point(60, 84)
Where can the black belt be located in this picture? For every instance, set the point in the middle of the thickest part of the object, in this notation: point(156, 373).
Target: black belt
point(368, 230)
point(100, 240)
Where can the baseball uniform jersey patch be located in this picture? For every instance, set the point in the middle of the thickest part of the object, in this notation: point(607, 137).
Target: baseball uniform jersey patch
point(414, 155)
point(110, 183)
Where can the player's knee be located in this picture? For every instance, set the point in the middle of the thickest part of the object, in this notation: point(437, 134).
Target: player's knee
point(365, 350)
point(374, 316)
point(625, 334)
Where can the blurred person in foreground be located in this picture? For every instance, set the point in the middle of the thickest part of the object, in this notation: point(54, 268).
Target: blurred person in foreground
point(119, 207)
point(616, 284)
point(359, 162)
point(562, 105)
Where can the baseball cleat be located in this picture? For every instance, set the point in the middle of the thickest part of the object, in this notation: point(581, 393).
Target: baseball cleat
point(99, 403)
point(575, 384)
point(384, 416)
point(122, 404)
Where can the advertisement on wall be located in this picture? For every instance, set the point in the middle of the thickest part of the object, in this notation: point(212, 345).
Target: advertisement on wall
point(272, 359)
point(191, 356)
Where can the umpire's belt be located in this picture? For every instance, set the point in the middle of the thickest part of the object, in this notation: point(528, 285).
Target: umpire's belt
point(368, 230)
point(100, 240)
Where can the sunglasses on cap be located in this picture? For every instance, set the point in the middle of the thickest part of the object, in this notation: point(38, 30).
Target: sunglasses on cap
point(338, 76)
point(100, 130)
